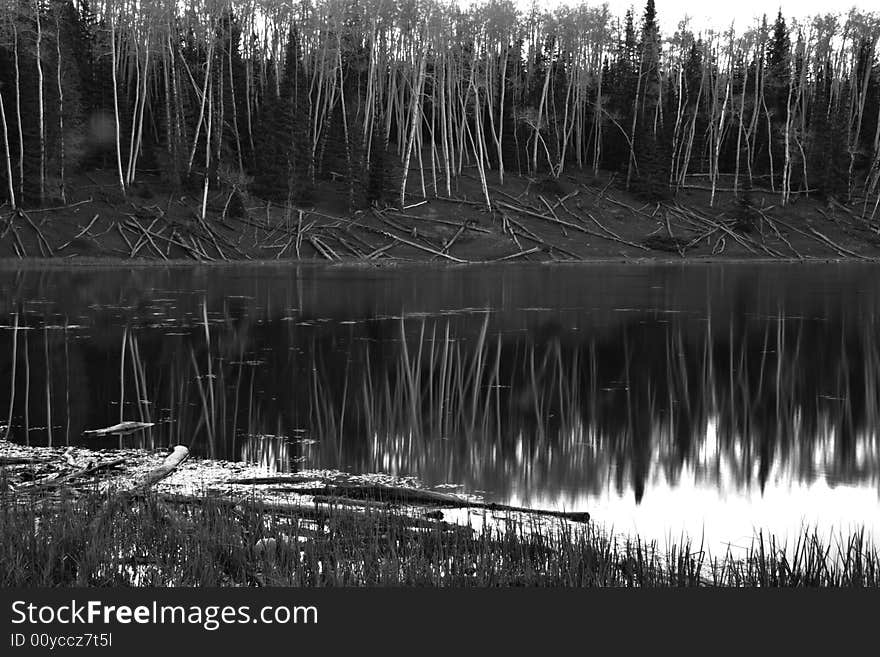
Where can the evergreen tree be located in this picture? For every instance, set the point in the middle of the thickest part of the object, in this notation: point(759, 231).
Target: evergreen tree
point(651, 141)
point(284, 155)
point(230, 78)
point(383, 173)
point(622, 78)
point(776, 85)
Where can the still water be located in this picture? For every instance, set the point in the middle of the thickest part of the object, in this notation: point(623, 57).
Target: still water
point(707, 400)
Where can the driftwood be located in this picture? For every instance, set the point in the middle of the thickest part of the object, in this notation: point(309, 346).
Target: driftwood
point(52, 482)
point(471, 224)
point(121, 428)
point(355, 494)
point(22, 460)
point(781, 236)
point(319, 513)
point(525, 232)
point(43, 243)
point(80, 233)
point(519, 254)
point(613, 236)
point(567, 224)
point(422, 248)
point(449, 244)
point(746, 242)
point(819, 237)
point(178, 455)
point(68, 457)
point(352, 493)
point(277, 479)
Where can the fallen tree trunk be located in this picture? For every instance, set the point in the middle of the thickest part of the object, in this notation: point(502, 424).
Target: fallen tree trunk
point(174, 459)
point(346, 493)
point(122, 428)
point(52, 482)
point(318, 511)
point(23, 460)
point(352, 494)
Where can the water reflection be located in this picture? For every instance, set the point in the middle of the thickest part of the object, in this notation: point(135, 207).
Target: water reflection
point(561, 387)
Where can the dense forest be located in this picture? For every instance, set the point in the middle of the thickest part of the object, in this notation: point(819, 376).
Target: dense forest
point(268, 98)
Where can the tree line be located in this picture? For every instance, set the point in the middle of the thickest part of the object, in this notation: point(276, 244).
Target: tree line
point(270, 98)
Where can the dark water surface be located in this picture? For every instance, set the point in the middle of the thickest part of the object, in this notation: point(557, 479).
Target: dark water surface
point(706, 399)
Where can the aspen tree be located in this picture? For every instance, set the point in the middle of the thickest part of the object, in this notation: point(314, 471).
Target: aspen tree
point(60, 105)
point(9, 176)
point(40, 103)
point(113, 67)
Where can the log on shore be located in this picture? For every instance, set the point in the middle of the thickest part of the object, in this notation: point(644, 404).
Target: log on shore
point(23, 460)
point(402, 495)
point(178, 455)
point(121, 429)
point(52, 482)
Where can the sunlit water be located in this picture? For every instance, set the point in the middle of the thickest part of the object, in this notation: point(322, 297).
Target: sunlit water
point(711, 401)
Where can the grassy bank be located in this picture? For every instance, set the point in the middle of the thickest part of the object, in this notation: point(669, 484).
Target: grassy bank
point(96, 540)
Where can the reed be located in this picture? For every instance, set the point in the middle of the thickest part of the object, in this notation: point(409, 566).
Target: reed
point(12, 377)
point(96, 540)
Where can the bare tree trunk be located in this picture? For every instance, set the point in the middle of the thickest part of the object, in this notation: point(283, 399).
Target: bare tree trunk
point(416, 120)
point(40, 103)
point(540, 116)
point(597, 146)
point(632, 133)
point(113, 59)
point(9, 177)
point(719, 131)
point(18, 115)
point(739, 133)
point(786, 169)
point(209, 94)
point(60, 107)
point(204, 96)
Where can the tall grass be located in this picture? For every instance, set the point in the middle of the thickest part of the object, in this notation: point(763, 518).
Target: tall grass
point(96, 540)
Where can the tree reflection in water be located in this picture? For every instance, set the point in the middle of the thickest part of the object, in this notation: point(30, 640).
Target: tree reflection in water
point(737, 389)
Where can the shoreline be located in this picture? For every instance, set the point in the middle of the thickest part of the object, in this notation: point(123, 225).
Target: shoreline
point(285, 544)
point(12, 264)
point(583, 220)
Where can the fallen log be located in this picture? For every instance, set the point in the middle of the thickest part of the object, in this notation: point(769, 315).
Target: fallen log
point(418, 496)
point(449, 244)
point(178, 455)
point(41, 239)
point(79, 234)
point(819, 237)
point(277, 479)
point(568, 224)
point(781, 236)
point(519, 254)
point(121, 428)
point(422, 248)
point(52, 482)
point(614, 236)
point(353, 493)
point(23, 460)
point(315, 512)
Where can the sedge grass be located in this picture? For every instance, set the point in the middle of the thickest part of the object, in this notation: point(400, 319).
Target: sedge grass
point(98, 540)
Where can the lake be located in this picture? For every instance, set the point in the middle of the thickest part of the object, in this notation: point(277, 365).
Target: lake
point(707, 400)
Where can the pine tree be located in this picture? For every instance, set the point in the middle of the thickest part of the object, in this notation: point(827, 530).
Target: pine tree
point(651, 141)
point(383, 172)
point(230, 77)
point(284, 155)
point(777, 81)
point(622, 77)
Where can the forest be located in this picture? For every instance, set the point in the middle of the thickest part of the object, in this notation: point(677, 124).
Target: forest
point(265, 99)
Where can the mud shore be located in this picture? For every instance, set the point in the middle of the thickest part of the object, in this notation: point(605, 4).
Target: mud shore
point(576, 218)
